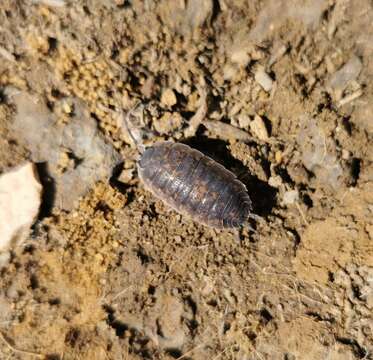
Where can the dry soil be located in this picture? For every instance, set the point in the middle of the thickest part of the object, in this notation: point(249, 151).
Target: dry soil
point(108, 272)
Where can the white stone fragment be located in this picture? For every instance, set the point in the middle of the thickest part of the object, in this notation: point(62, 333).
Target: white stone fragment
point(244, 121)
point(263, 79)
point(290, 197)
point(240, 56)
point(259, 129)
point(52, 3)
point(6, 54)
point(349, 98)
point(226, 131)
point(20, 198)
point(277, 54)
point(126, 176)
point(275, 181)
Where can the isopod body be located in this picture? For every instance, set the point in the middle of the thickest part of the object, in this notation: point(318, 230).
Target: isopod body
point(194, 185)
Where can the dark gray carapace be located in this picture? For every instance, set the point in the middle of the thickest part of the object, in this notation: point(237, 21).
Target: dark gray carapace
point(195, 185)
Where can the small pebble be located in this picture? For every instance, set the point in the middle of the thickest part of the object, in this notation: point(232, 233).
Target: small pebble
point(275, 181)
point(259, 129)
point(126, 176)
point(290, 197)
point(240, 57)
point(345, 154)
point(346, 74)
point(177, 239)
point(244, 121)
point(263, 79)
point(278, 156)
point(226, 131)
point(168, 98)
point(67, 108)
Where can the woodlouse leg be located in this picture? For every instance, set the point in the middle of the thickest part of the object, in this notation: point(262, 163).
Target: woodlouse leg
point(250, 227)
point(256, 217)
point(137, 131)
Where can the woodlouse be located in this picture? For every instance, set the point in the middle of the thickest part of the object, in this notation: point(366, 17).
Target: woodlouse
point(193, 184)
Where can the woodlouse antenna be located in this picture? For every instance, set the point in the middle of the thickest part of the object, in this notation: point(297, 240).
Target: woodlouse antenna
point(126, 122)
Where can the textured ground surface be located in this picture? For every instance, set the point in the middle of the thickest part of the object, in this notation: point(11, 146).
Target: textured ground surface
point(108, 272)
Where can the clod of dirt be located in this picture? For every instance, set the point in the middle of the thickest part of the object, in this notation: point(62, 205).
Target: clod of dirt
point(341, 78)
point(362, 117)
point(198, 12)
point(316, 155)
point(168, 123)
point(308, 12)
point(5, 309)
point(75, 154)
point(20, 198)
point(169, 323)
point(187, 17)
point(325, 247)
point(312, 345)
point(358, 282)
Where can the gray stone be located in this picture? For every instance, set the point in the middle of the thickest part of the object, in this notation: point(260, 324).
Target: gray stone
point(75, 153)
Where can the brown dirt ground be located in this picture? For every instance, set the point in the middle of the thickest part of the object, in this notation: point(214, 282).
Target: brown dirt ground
point(121, 276)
